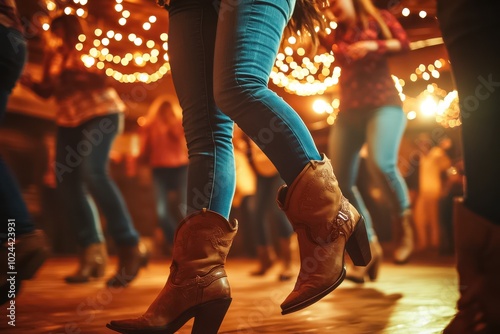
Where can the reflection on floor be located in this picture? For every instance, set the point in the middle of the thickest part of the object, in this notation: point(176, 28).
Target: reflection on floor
point(415, 298)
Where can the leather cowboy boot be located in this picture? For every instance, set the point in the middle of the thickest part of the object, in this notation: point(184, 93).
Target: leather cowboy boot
point(130, 261)
point(197, 286)
point(93, 262)
point(478, 266)
point(406, 243)
point(31, 250)
point(286, 258)
point(326, 225)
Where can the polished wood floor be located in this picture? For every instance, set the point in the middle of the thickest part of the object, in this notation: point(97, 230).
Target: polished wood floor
point(418, 297)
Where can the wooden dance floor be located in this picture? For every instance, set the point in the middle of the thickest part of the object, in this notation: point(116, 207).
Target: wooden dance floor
point(415, 298)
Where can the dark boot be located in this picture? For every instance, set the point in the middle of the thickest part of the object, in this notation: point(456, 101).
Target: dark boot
point(93, 262)
point(326, 225)
point(130, 260)
point(31, 250)
point(267, 258)
point(197, 286)
point(358, 274)
point(286, 273)
point(477, 243)
point(405, 243)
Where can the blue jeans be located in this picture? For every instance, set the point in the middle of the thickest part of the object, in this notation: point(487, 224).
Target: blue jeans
point(381, 129)
point(170, 190)
point(82, 156)
point(265, 208)
point(12, 59)
point(221, 59)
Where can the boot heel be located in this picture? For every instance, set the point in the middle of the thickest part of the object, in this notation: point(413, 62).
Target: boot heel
point(358, 246)
point(98, 271)
point(209, 317)
point(373, 269)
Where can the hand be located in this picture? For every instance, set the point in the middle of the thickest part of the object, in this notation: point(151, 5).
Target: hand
point(26, 80)
point(360, 49)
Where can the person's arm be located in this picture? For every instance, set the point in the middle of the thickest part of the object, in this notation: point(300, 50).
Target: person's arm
point(45, 87)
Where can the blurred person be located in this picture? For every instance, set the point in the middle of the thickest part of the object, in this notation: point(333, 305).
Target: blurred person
point(370, 113)
point(221, 59)
point(265, 213)
point(432, 167)
point(165, 150)
point(471, 32)
point(89, 118)
point(18, 235)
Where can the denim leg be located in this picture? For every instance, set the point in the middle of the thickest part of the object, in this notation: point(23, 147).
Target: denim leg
point(248, 38)
point(103, 131)
point(346, 138)
point(160, 190)
point(12, 60)
point(384, 131)
point(284, 228)
point(211, 172)
point(79, 208)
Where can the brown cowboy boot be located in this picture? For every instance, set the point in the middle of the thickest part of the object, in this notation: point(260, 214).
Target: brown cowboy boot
point(358, 274)
point(130, 261)
point(197, 286)
point(478, 266)
point(326, 225)
point(405, 243)
point(267, 258)
point(93, 260)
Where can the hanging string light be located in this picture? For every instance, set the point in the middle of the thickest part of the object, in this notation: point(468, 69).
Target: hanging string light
point(100, 43)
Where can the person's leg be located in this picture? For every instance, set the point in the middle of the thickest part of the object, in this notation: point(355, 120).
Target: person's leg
point(211, 175)
point(470, 29)
point(247, 32)
point(160, 188)
point(385, 129)
point(248, 39)
point(345, 140)
point(131, 255)
point(96, 176)
point(79, 208)
point(12, 206)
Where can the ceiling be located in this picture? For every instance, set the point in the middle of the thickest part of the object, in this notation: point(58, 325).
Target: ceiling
point(103, 14)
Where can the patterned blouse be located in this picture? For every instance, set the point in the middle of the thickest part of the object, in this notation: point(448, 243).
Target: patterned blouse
point(366, 83)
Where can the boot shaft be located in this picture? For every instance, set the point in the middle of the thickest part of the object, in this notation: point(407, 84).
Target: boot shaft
point(202, 242)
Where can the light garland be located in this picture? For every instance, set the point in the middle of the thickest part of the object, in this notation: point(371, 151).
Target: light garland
point(99, 44)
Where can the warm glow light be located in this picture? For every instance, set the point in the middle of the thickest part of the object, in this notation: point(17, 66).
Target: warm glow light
point(80, 12)
point(320, 106)
point(428, 107)
point(45, 26)
point(146, 26)
point(68, 10)
point(411, 115)
point(152, 19)
point(126, 14)
point(422, 13)
point(122, 21)
point(98, 32)
point(405, 12)
point(118, 37)
point(118, 7)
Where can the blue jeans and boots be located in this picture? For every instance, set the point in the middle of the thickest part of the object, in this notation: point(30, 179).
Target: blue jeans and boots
point(223, 60)
point(352, 130)
point(18, 230)
point(82, 156)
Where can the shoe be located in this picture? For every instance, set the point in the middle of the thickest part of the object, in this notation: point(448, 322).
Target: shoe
point(130, 261)
point(478, 267)
point(197, 286)
point(358, 274)
point(267, 258)
point(93, 262)
point(31, 250)
point(405, 244)
point(326, 225)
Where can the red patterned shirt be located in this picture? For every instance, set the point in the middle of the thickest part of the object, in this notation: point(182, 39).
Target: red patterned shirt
point(367, 82)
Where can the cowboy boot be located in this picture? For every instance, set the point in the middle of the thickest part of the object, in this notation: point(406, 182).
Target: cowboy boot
point(326, 225)
point(130, 261)
point(267, 258)
point(405, 243)
point(478, 267)
point(357, 274)
point(93, 262)
point(286, 258)
point(197, 286)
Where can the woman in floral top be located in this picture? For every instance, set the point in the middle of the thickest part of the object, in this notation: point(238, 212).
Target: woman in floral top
point(370, 111)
